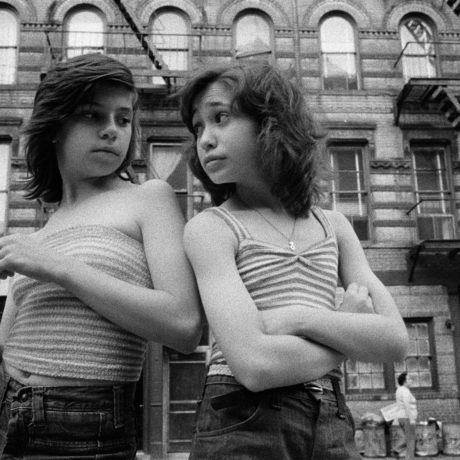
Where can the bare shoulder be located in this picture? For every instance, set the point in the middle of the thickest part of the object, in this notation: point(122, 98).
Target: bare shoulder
point(338, 221)
point(209, 230)
point(155, 189)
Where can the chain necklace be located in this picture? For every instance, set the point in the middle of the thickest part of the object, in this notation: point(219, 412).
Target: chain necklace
point(289, 239)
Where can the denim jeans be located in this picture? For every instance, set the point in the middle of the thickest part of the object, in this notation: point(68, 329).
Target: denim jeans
point(84, 423)
point(289, 423)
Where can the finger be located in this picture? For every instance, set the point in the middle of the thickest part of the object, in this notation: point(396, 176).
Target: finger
point(363, 291)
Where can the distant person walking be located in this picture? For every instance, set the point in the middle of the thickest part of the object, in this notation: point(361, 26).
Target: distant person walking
point(408, 410)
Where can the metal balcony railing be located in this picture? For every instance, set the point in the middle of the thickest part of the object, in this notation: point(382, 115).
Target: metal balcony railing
point(174, 52)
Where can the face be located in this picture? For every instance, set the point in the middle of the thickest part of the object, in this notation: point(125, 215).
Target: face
point(94, 141)
point(226, 140)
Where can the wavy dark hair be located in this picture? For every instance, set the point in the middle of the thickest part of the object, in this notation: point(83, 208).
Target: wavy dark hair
point(290, 151)
point(65, 87)
point(402, 378)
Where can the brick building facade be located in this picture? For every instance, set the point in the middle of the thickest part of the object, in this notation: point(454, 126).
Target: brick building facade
point(383, 77)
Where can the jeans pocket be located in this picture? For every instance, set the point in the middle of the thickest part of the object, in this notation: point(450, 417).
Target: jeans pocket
point(227, 408)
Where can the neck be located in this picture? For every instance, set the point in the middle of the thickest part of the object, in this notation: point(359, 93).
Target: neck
point(260, 199)
point(79, 191)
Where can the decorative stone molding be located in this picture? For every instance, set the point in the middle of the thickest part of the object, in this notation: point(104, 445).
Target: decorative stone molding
point(317, 10)
point(62, 7)
point(393, 18)
point(145, 10)
point(229, 10)
point(387, 164)
point(25, 9)
point(387, 34)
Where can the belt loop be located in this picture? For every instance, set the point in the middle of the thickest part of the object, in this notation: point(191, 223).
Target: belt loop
point(341, 412)
point(118, 405)
point(38, 408)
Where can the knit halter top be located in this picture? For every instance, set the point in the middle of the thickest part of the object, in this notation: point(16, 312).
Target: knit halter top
point(55, 334)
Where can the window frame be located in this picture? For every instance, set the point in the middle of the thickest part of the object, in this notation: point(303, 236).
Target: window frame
point(7, 177)
point(447, 195)
point(350, 145)
point(187, 52)
point(405, 57)
point(256, 56)
point(356, 53)
point(390, 373)
point(15, 46)
point(84, 49)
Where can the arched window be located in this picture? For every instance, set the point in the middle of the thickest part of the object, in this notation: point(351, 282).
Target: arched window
point(252, 36)
point(417, 41)
point(8, 46)
point(170, 35)
point(338, 53)
point(85, 32)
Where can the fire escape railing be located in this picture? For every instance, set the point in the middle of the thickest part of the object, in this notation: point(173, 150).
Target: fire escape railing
point(124, 46)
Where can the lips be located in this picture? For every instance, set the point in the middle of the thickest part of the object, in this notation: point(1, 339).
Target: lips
point(211, 158)
point(106, 150)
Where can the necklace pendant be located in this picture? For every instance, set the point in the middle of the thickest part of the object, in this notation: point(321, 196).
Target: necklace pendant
point(291, 245)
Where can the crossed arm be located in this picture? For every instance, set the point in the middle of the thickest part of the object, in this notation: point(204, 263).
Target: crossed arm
point(367, 332)
point(293, 345)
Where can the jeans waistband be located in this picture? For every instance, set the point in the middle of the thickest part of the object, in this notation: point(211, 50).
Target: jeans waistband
point(117, 398)
point(331, 390)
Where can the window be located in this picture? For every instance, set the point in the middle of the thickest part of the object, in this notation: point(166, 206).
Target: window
point(419, 361)
point(8, 46)
point(338, 54)
point(419, 58)
point(419, 364)
point(364, 376)
point(348, 188)
point(5, 149)
point(170, 36)
point(252, 36)
point(166, 161)
point(435, 219)
point(85, 33)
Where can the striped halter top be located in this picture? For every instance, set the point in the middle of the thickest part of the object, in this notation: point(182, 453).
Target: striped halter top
point(276, 277)
point(55, 334)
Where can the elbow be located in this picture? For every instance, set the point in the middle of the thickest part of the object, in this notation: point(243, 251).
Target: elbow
point(189, 335)
point(253, 374)
point(398, 348)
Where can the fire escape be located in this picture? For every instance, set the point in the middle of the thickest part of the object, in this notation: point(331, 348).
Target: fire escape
point(455, 5)
point(431, 103)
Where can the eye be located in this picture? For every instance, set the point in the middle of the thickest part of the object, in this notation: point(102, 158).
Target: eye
point(222, 117)
point(124, 121)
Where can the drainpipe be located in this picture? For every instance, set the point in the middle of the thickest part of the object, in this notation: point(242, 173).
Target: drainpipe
point(297, 44)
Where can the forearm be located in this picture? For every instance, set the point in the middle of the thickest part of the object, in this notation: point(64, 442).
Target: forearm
point(154, 314)
point(360, 336)
point(272, 361)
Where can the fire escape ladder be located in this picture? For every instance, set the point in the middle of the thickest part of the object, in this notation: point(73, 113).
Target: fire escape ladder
point(152, 53)
point(455, 5)
point(448, 104)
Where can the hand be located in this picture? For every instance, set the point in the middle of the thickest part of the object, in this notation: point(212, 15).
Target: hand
point(25, 255)
point(356, 300)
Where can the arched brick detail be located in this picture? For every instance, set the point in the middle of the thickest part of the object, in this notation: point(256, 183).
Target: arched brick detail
point(62, 7)
point(229, 10)
point(144, 12)
point(393, 18)
point(26, 11)
point(317, 10)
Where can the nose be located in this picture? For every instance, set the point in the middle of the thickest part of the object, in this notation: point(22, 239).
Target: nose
point(207, 140)
point(108, 130)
